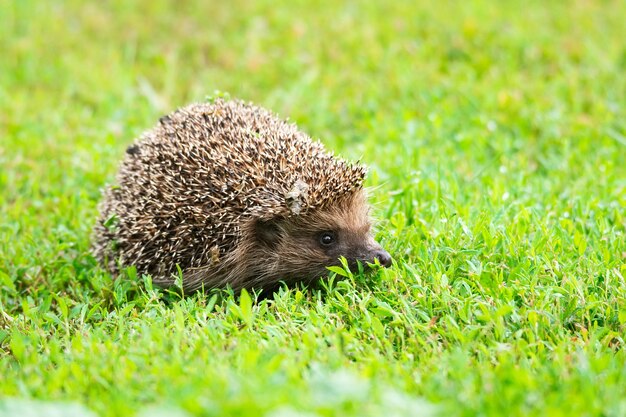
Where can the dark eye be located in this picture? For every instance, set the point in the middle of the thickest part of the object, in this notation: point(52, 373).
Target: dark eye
point(327, 238)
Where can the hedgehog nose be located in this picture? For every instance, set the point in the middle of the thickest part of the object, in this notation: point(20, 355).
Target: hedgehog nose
point(384, 259)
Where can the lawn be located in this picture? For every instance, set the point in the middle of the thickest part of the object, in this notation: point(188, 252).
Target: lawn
point(495, 133)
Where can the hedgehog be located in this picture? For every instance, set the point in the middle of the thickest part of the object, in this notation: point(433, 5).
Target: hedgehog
point(227, 194)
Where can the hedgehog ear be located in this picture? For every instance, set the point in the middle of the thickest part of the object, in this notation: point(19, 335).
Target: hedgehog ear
point(267, 232)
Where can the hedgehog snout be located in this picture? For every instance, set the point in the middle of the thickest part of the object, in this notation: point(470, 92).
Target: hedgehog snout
point(384, 259)
point(377, 252)
point(373, 251)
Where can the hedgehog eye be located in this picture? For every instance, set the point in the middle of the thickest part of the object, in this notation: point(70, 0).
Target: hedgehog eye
point(327, 238)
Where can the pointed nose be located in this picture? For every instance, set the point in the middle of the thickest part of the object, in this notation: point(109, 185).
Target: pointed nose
point(384, 259)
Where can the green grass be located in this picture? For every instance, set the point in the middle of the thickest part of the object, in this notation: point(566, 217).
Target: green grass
point(495, 133)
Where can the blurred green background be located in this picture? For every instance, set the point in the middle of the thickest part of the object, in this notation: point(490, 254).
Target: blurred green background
point(495, 133)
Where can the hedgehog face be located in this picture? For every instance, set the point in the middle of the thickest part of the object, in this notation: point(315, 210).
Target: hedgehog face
point(303, 246)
